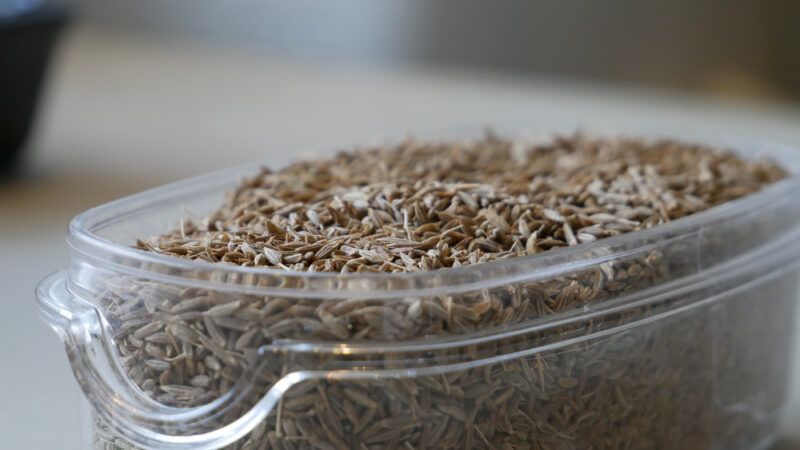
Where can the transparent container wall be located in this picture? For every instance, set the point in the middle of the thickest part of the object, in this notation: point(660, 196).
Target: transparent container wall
point(710, 377)
point(186, 346)
point(143, 217)
point(672, 337)
point(184, 342)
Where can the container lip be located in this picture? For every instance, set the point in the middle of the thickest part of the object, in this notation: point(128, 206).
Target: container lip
point(353, 285)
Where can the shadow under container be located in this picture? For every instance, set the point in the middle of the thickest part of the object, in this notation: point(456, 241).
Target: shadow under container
point(674, 337)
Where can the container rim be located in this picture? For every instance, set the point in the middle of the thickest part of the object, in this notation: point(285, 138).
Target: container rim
point(229, 277)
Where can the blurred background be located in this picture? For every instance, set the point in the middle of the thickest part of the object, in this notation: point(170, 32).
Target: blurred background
point(748, 48)
point(103, 98)
point(748, 51)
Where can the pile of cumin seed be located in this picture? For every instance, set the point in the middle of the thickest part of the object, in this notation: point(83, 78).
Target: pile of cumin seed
point(434, 205)
point(426, 206)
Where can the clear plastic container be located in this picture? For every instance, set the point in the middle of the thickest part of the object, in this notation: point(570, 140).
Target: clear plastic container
point(674, 337)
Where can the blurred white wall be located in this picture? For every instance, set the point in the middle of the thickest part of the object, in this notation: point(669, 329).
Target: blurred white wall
point(374, 29)
point(747, 45)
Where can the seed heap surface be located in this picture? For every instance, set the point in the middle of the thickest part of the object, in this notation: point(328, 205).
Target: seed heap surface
point(423, 206)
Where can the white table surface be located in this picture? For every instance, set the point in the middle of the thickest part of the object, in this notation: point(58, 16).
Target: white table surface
point(124, 112)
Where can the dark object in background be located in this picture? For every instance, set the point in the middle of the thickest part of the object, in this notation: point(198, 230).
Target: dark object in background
point(26, 38)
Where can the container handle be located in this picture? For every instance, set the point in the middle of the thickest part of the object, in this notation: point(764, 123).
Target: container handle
point(129, 412)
